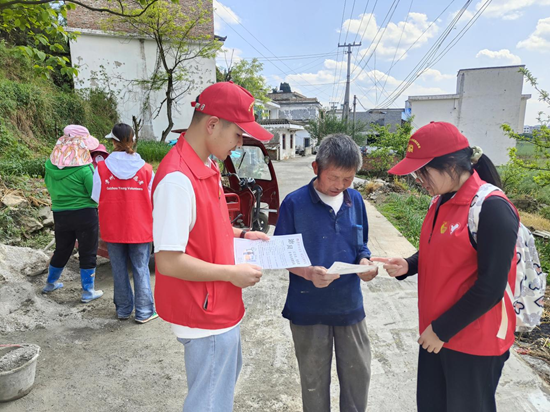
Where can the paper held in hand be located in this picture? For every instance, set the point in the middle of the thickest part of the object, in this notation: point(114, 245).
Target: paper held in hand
point(342, 268)
point(280, 252)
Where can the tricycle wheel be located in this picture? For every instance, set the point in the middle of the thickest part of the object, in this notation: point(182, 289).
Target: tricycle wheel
point(262, 224)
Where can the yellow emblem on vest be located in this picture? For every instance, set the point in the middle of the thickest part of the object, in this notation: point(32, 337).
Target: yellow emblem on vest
point(444, 227)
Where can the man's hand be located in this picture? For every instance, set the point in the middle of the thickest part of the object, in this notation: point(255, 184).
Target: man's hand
point(245, 275)
point(319, 276)
point(394, 266)
point(371, 273)
point(256, 235)
point(430, 341)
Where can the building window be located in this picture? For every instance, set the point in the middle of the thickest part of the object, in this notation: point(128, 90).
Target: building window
point(292, 141)
point(284, 141)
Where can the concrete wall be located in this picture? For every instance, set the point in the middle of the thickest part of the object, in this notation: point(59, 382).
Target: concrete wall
point(298, 111)
point(437, 110)
point(490, 98)
point(113, 62)
point(486, 98)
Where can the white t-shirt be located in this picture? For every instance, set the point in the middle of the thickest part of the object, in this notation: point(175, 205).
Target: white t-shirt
point(174, 216)
point(333, 201)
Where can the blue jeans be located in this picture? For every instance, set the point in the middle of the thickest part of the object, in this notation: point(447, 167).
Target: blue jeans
point(212, 366)
point(138, 254)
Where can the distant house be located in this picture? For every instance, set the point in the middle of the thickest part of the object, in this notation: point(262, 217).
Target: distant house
point(380, 117)
point(283, 144)
point(485, 99)
point(114, 61)
point(298, 109)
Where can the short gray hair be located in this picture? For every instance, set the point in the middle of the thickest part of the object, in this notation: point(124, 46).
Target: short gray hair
point(339, 150)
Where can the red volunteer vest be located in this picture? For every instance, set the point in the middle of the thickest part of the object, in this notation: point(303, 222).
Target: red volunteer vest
point(125, 210)
point(447, 268)
point(205, 305)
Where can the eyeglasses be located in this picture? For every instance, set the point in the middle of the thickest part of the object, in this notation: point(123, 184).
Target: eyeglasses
point(416, 177)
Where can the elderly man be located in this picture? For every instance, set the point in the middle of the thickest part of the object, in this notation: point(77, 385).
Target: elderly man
point(326, 310)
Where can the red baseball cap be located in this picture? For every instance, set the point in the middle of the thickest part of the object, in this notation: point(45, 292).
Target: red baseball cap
point(233, 103)
point(430, 141)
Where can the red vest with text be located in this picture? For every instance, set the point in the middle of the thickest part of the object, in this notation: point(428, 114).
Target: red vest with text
point(447, 269)
point(204, 305)
point(125, 210)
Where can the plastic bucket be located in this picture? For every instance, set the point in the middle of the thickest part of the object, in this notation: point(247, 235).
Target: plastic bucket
point(18, 382)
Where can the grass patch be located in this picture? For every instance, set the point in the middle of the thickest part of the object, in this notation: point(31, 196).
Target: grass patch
point(152, 151)
point(406, 211)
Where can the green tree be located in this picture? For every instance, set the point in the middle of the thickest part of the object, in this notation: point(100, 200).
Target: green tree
point(539, 162)
point(389, 147)
point(38, 28)
point(180, 39)
point(248, 75)
point(329, 123)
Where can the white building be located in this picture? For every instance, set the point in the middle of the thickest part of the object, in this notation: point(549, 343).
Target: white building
point(115, 62)
point(283, 144)
point(485, 99)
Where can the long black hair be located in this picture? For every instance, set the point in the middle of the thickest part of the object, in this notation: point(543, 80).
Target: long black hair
point(456, 163)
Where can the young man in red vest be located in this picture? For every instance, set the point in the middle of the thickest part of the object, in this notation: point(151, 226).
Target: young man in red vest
point(198, 286)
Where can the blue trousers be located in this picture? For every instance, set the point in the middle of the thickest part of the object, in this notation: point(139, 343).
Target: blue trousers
point(138, 256)
point(212, 365)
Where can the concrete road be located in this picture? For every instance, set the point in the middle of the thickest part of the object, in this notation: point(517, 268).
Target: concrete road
point(106, 365)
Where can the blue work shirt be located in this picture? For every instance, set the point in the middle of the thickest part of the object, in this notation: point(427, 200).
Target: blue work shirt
point(328, 237)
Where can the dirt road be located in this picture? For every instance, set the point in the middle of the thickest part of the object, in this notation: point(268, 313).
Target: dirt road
point(92, 362)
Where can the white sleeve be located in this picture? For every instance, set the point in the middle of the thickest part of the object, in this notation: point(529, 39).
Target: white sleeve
point(151, 184)
point(174, 212)
point(96, 190)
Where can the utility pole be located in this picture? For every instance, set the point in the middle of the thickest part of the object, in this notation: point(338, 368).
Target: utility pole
point(345, 113)
point(354, 104)
point(333, 106)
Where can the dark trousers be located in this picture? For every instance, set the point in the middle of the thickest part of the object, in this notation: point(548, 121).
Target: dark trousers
point(452, 381)
point(71, 225)
point(314, 346)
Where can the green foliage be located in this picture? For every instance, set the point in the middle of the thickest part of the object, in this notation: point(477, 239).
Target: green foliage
point(329, 123)
point(39, 31)
point(390, 147)
point(39, 34)
point(406, 211)
point(248, 75)
point(18, 167)
point(538, 160)
point(180, 39)
point(33, 113)
point(152, 151)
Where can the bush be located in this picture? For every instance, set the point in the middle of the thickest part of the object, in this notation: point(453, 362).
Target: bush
point(152, 151)
point(31, 167)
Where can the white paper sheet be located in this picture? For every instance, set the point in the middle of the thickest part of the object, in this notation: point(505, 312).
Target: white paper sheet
point(280, 252)
point(342, 268)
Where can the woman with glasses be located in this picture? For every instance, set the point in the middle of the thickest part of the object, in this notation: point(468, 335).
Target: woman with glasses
point(467, 322)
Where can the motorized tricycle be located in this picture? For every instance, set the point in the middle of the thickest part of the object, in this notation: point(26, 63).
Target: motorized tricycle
point(250, 187)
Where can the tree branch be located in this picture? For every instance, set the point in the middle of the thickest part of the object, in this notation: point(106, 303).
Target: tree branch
point(101, 10)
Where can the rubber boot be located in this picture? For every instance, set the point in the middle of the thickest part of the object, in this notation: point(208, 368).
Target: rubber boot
point(51, 283)
point(87, 278)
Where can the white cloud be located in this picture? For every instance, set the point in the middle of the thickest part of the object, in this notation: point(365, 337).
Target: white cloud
point(405, 34)
point(509, 9)
point(539, 40)
point(436, 75)
point(224, 15)
point(503, 54)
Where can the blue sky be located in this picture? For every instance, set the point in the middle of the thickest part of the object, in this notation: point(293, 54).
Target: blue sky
point(297, 42)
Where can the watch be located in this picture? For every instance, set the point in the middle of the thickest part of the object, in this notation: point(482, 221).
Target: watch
point(243, 233)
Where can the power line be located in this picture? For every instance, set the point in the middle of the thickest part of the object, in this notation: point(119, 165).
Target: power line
point(350, 17)
point(363, 35)
point(282, 71)
point(339, 37)
point(397, 47)
point(423, 64)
